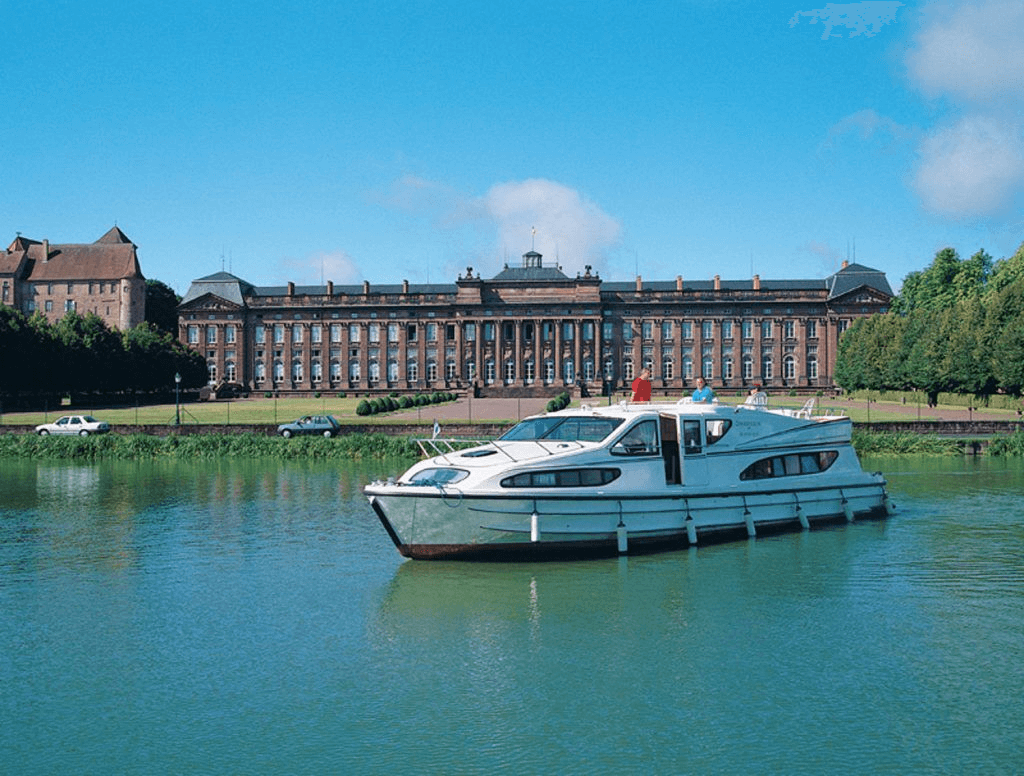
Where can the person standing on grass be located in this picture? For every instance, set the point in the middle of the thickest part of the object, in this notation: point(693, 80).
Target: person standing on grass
point(642, 386)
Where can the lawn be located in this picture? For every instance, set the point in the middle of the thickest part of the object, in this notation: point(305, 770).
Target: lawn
point(236, 411)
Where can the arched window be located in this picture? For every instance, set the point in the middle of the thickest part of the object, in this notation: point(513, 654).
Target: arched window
point(687, 367)
point(766, 367)
point(748, 367)
point(627, 370)
point(297, 371)
point(707, 367)
point(668, 367)
point(569, 370)
point(353, 370)
point(789, 368)
point(812, 367)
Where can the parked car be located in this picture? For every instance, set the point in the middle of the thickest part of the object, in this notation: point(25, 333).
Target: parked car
point(324, 425)
point(82, 425)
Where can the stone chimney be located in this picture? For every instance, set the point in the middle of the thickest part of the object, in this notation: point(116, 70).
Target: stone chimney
point(366, 287)
point(845, 264)
point(46, 251)
point(405, 286)
point(718, 283)
point(639, 284)
point(330, 288)
point(679, 282)
point(757, 282)
point(291, 288)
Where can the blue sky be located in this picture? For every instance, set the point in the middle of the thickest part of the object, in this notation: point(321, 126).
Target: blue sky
point(308, 141)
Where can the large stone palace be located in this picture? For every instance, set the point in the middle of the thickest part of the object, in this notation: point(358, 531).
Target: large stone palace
point(54, 279)
point(529, 330)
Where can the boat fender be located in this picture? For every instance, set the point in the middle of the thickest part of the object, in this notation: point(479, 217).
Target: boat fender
point(847, 509)
point(890, 508)
point(749, 520)
point(620, 534)
point(801, 516)
point(691, 531)
point(535, 527)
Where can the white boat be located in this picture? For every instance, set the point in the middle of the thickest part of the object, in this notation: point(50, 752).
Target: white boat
point(630, 478)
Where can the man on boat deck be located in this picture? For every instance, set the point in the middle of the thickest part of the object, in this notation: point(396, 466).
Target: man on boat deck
point(703, 394)
point(642, 386)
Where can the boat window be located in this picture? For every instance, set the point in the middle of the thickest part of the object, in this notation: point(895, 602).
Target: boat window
point(641, 439)
point(561, 478)
point(691, 436)
point(570, 429)
point(479, 453)
point(438, 477)
point(788, 465)
point(716, 429)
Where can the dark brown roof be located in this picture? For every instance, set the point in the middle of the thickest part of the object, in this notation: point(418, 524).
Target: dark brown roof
point(112, 257)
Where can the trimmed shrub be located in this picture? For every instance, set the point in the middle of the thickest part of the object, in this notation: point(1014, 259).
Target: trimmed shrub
point(363, 408)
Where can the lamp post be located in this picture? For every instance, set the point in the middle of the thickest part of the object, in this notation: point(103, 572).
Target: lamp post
point(177, 399)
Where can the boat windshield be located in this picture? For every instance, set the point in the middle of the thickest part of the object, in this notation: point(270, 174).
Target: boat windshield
point(571, 429)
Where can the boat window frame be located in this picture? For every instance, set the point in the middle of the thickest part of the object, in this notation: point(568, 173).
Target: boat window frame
point(535, 478)
point(640, 445)
point(550, 431)
point(778, 465)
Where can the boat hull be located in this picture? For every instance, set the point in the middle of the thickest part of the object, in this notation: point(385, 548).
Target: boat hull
point(428, 523)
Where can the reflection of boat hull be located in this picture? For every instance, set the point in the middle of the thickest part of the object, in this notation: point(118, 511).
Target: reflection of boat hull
point(480, 527)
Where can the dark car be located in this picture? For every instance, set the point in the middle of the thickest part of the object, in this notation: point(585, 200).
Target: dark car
point(324, 425)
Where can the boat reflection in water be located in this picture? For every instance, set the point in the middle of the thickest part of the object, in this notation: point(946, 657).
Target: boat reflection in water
point(630, 478)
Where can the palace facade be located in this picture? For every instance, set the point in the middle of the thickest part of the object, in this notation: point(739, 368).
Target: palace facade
point(103, 277)
point(530, 330)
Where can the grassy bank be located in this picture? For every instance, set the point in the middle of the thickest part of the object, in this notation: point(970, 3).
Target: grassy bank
point(205, 446)
point(373, 446)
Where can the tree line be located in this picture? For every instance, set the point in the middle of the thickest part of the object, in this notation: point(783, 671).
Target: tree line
point(957, 326)
point(80, 354)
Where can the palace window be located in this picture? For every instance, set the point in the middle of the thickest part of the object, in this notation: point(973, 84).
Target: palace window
point(789, 368)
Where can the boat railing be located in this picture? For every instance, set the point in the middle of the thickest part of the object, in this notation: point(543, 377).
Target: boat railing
point(431, 446)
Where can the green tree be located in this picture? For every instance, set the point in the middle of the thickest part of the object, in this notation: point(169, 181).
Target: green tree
point(162, 306)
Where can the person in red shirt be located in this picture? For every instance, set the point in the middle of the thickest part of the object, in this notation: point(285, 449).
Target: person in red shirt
point(642, 386)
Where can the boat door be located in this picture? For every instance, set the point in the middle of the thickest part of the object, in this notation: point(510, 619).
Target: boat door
point(695, 464)
point(670, 449)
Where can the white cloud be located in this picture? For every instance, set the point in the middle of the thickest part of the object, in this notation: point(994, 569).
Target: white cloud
point(867, 125)
point(318, 268)
point(865, 18)
point(971, 52)
point(970, 55)
point(972, 168)
point(571, 230)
